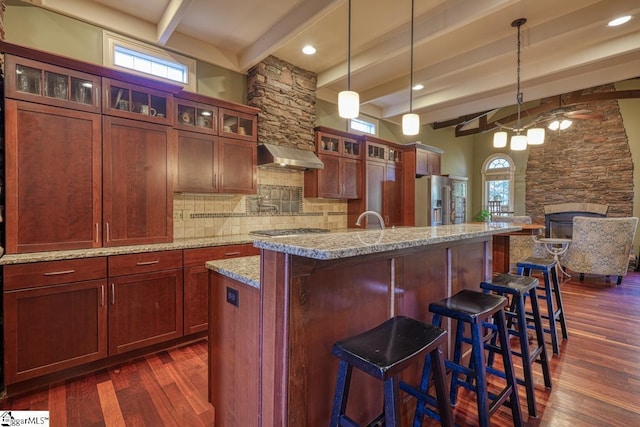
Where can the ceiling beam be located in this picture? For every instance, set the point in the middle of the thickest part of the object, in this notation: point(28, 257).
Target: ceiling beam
point(291, 25)
point(570, 99)
point(428, 26)
point(170, 19)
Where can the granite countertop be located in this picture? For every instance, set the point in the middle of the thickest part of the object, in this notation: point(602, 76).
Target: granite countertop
point(245, 269)
point(338, 244)
point(123, 250)
point(347, 244)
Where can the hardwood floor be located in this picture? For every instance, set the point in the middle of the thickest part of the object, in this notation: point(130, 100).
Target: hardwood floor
point(596, 377)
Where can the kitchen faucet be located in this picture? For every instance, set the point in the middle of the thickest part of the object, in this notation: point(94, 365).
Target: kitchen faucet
point(374, 213)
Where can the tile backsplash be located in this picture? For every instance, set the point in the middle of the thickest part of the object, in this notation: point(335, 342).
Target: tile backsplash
point(278, 204)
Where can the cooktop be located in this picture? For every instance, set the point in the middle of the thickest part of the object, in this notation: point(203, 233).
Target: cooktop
point(290, 231)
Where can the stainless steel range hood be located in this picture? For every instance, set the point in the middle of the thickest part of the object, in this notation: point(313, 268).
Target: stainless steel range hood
point(287, 157)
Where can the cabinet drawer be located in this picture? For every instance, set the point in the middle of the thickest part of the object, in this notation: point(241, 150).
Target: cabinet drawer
point(37, 274)
point(198, 257)
point(120, 265)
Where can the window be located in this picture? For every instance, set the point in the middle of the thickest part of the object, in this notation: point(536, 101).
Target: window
point(497, 180)
point(363, 125)
point(150, 61)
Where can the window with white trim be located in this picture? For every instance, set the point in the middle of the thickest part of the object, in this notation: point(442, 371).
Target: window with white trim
point(363, 126)
point(498, 172)
point(147, 60)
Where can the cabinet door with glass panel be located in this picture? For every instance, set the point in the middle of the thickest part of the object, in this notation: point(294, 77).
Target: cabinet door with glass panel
point(35, 81)
point(238, 125)
point(136, 102)
point(196, 116)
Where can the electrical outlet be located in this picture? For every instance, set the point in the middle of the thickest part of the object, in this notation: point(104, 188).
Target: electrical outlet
point(177, 214)
point(233, 297)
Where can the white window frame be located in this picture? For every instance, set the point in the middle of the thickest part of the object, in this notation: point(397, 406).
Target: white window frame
point(374, 122)
point(111, 40)
point(505, 174)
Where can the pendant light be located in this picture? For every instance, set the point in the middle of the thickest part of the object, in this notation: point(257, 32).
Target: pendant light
point(411, 121)
point(348, 100)
point(534, 136)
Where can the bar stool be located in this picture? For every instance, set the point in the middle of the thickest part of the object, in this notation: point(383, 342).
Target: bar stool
point(555, 311)
point(383, 352)
point(476, 309)
point(518, 287)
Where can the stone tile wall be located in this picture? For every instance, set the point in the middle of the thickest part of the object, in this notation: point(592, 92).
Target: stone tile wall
point(590, 162)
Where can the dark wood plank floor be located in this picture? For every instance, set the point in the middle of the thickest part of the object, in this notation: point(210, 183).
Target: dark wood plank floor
point(596, 378)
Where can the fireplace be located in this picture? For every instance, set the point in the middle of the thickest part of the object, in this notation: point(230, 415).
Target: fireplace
point(558, 219)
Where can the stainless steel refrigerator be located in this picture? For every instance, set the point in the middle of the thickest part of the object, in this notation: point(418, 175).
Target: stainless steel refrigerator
point(433, 200)
point(440, 200)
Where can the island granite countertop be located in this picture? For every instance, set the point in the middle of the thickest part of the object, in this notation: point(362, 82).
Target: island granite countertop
point(347, 244)
point(244, 269)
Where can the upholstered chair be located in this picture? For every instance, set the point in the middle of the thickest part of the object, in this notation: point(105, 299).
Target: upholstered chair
point(521, 247)
point(600, 246)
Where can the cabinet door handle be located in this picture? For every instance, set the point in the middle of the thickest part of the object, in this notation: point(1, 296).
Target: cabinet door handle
point(232, 253)
point(97, 232)
point(102, 296)
point(108, 234)
point(147, 262)
point(215, 180)
point(113, 293)
point(57, 273)
point(221, 181)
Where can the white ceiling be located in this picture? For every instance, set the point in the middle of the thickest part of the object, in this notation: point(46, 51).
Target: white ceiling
point(464, 50)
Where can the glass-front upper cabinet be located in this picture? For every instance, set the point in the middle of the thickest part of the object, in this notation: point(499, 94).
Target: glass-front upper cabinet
point(35, 81)
point(238, 125)
point(137, 102)
point(328, 143)
point(196, 116)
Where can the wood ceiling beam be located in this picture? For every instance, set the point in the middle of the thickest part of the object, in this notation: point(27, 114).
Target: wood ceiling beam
point(572, 98)
point(170, 19)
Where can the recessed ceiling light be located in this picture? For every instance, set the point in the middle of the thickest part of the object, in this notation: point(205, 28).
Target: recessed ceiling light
point(619, 21)
point(308, 50)
point(418, 86)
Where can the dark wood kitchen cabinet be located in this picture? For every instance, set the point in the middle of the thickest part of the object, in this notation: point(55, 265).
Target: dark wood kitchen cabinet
point(341, 177)
point(53, 178)
point(43, 83)
point(196, 281)
point(427, 162)
point(145, 299)
point(212, 164)
point(139, 162)
point(136, 102)
point(384, 182)
point(55, 316)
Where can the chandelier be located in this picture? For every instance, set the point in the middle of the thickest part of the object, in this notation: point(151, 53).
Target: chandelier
point(533, 136)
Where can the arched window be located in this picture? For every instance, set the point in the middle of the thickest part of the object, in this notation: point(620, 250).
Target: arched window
point(498, 173)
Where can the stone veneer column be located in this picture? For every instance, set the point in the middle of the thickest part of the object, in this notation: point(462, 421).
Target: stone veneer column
point(590, 162)
point(286, 97)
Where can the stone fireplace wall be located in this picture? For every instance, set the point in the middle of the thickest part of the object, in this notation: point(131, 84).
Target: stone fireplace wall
point(286, 97)
point(590, 162)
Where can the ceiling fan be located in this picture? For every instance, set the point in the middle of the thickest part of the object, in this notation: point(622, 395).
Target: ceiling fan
point(562, 117)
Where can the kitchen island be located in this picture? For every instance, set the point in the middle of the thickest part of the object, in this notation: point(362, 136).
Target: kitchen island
point(270, 346)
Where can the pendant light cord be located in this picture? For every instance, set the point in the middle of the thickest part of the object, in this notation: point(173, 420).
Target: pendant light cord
point(518, 23)
point(411, 74)
point(349, 51)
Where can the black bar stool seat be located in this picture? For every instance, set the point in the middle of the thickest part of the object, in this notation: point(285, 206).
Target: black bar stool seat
point(551, 288)
point(518, 287)
point(383, 352)
point(478, 309)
